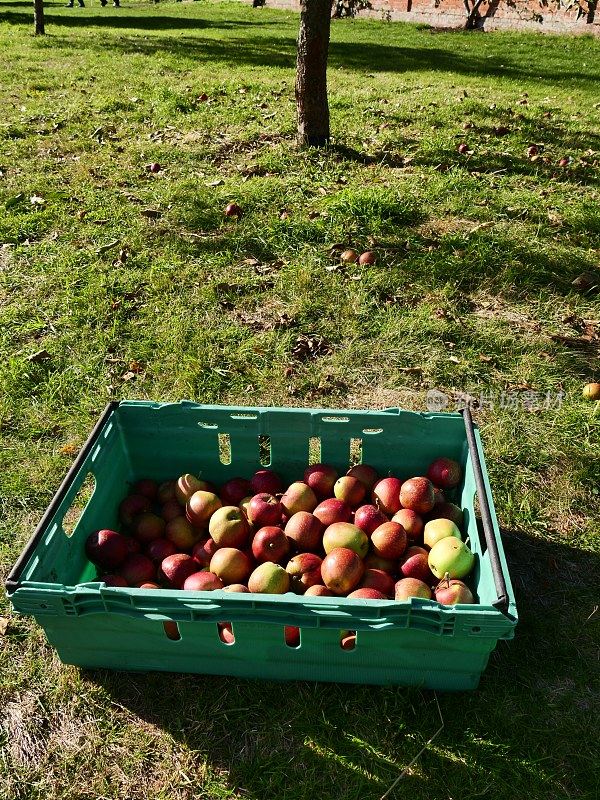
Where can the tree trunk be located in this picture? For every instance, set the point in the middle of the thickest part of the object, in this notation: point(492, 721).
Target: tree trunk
point(311, 73)
point(473, 15)
point(38, 17)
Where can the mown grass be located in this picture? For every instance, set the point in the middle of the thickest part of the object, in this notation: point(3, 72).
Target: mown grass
point(473, 292)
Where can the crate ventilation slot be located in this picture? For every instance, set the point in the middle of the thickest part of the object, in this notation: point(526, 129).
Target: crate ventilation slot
point(77, 507)
point(224, 448)
point(264, 448)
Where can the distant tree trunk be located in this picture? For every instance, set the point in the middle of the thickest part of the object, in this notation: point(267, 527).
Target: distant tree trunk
point(473, 15)
point(311, 73)
point(38, 17)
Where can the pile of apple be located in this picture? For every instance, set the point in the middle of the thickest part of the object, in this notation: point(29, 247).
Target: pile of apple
point(359, 536)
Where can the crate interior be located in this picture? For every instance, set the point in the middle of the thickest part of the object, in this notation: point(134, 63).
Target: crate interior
point(162, 441)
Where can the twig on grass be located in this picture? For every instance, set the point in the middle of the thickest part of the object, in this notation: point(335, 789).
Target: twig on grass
point(421, 751)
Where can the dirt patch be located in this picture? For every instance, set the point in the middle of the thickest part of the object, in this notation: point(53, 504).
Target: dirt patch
point(26, 727)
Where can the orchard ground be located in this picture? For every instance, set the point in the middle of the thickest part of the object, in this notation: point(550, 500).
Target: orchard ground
point(115, 282)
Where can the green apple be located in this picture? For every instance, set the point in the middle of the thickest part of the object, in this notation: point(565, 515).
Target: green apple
point(437, 529)
point(451, 556)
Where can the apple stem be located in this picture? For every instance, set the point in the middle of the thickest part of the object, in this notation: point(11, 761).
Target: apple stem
point(447, 579)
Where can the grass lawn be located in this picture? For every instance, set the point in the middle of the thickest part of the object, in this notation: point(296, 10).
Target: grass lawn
point(118, 283)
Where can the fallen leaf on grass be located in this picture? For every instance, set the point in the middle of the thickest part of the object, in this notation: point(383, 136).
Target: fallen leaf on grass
point(41, 355)
point(3, 625)
point(151, 213)
point(69, 449)
point(310, 346)
point(106, 247)
point(454, 359)
point(586, 281)
point(128, 376)
point(37, 200)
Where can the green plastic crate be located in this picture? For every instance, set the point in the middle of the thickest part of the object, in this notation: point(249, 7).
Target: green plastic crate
point(417, 642)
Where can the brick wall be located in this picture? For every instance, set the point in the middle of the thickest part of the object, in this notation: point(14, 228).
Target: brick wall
point(496, 14)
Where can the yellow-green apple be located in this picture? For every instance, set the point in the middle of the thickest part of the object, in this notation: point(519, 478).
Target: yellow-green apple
point(182, 533)
point(365, 474)
point(204, 550)
point(445, 473)
point(304, 571)
point(133, 505)
point(233, 492)
point(304, 531)
point(450, 592)
point(202, 582)
point(269, 578)
point(166, 492)
point(237, 587)
point(377, 579)
point(200, 508)
point(244, 505)
point(137, 568)
point(437, 529)
point(186, 485)
point(342, 570)
point(170, 510)
point(410, 521)
point(418, 495)
point(591, 391)
point(231, 565)
point(148, 526)
point(229, 527)
point(159, 549)
point(411, 587)
point(350, 490)
point(270, 544)
point(451, 556)
point(106, 548)
point(332, 510)
point(389, 540)
point(366, 594)
point(264, 509)
point(386, 495)
point(368, 518)
point(344, 534)
point(265, 481)
point(298, 497)
point(318, 591)
point(447, 511)
point(321, 479)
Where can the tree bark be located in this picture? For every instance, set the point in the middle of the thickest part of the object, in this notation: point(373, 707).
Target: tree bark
point(38, 17)
point(311, 73)
point(473, 16)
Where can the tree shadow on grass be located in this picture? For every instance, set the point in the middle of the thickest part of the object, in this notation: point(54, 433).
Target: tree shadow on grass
point(527, 730)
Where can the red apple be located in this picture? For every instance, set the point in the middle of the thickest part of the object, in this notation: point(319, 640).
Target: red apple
point(265, 481)
point(377, 579)
point(341, 570)
point(113, 580)
point(133, 545)
point(269, 578)
point(367, 257)
point(304, 531)
point(186, 485)
point(345, 534)
point(450, 592)
point(292, 635)
point(385, 564)
point(146, 487)
point(177, 568)
point(463, 148)
point(321, 479)
point(200, 507)
point(149, 585)
point(332, 510)
point(237, 587)
point(386, 495)
point(365, 474)
point(159, 549)
point(231, 565)
point(298, 497)
point(147, 527)
point(348, 642)
point(318, 591)
point(389, 540)
point(137, 568)
point(226, 634)
point(166, 492)
point(233, 210)
point(105, 548)
point(350, 490)
point(133, 505)
point(233, 492)
point(368, 518)
point(410, 521)
point(229, 527)
point(202, 582)
point(270, 544)
point(264, 509)
point(181, 533)
point(445, 473)
point(447, 511)
point(411, 587)
point(366, 594)
point(414, 564)
point(304, 571)
point(417, 494)
point(203, 551)
point(170, 510)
